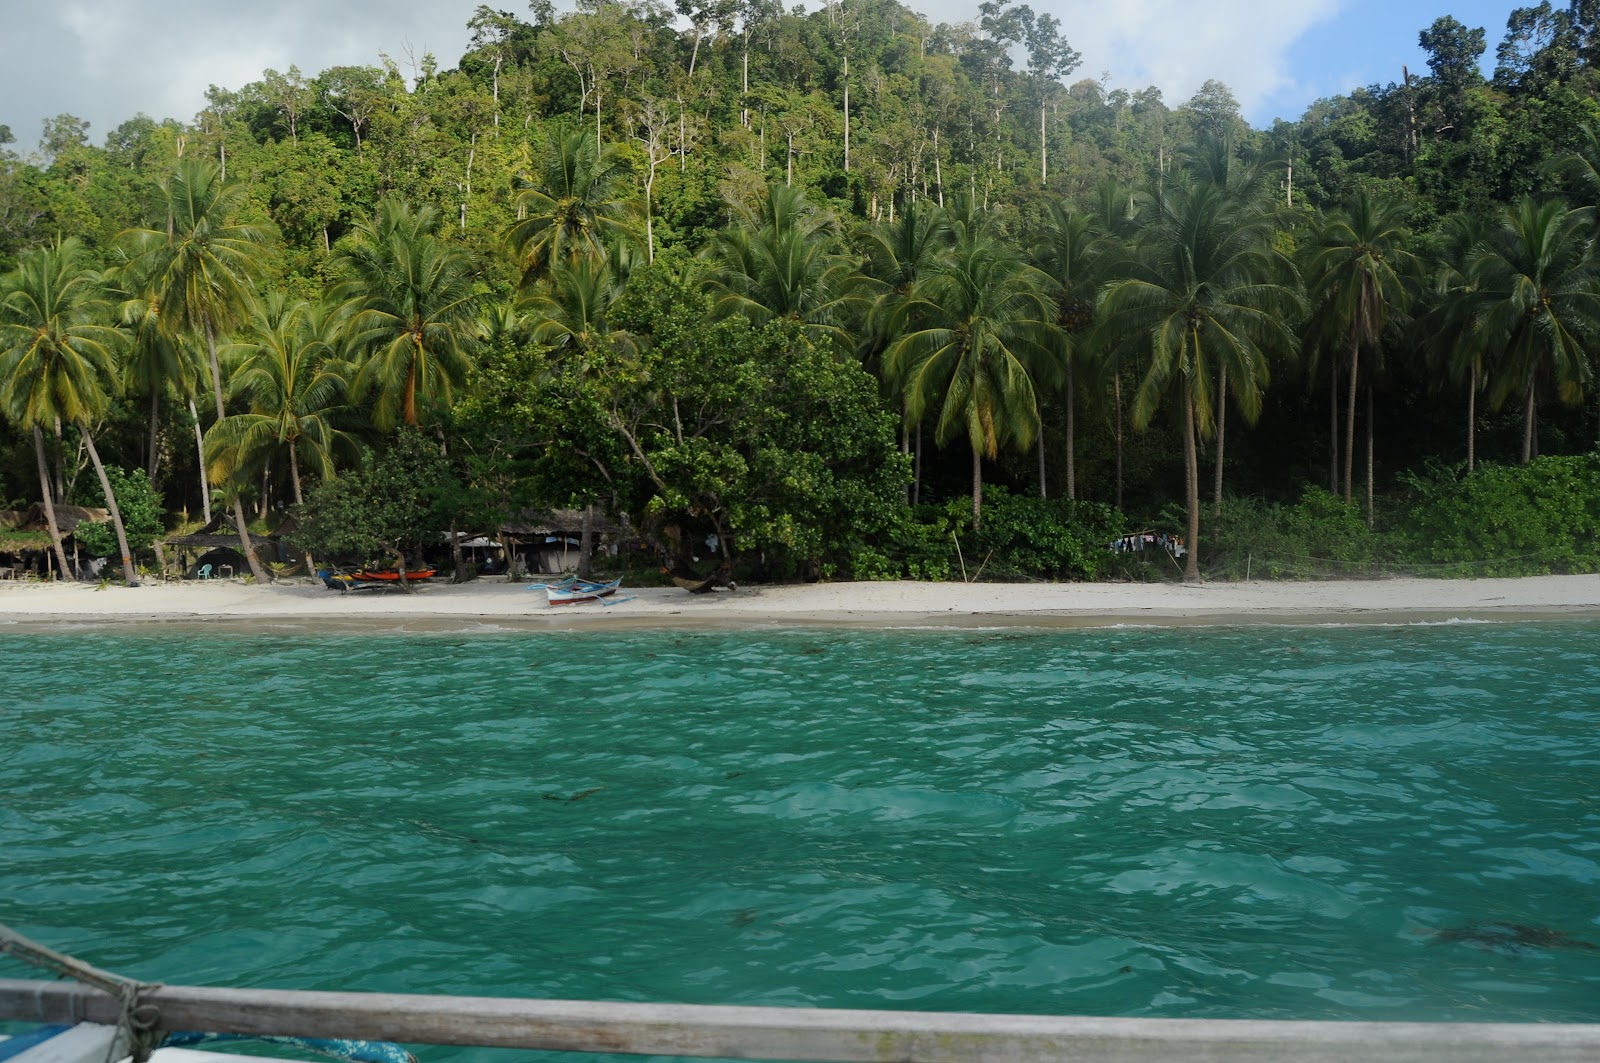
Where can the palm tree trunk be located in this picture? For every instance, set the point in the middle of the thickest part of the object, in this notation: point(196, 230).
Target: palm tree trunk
point(299, 500)
point(977, 487)
point(1527, 422)
point(1333, 427)
point(1116, 389)
point(1369, 455)
point(49, 504)
point(60, 482)
point(1191, 469)
point(1041, 459)
point(410, 412)
point(111, 504)
point(1350, 425)
point(216, 367)
point(1222, 438)
point(1072, 459)
point(905, 447)
point(916, 480)
point(1472, 420)
point(200, 448)
point(155, 436)
point(249, 550)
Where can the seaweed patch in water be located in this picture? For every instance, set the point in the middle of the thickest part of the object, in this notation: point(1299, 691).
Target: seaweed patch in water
point(1510, 938)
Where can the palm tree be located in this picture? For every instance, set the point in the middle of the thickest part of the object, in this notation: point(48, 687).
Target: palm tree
point(1068, 250)
point(56, 362)
point(1538, 302)
point(411, 306)
point(295, 396)
point(901, 257)
point(781, 262)
point(983, 336)
point(571, 307)
point(1356, 283)
point(1448, 327)
point(155, 364)
point(578, 207)
point(201, 272)
point(1204, 291)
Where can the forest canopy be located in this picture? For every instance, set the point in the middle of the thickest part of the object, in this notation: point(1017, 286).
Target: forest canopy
point(805, 283)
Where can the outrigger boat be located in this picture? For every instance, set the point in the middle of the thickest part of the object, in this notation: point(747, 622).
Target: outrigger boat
point(581, 591)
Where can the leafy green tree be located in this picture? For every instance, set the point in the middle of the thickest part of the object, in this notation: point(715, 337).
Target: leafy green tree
point(985, 336)
point(411, 307)
point(1538, 301)
point(57, 361)
point(140, 507)
point(399, 499)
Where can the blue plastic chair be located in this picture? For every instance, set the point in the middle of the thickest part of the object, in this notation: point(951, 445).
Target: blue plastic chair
point(203, 572)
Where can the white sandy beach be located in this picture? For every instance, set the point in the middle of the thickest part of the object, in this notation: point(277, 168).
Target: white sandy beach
point(492, 602)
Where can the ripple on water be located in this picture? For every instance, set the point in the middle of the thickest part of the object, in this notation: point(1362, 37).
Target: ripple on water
point(1271, 822)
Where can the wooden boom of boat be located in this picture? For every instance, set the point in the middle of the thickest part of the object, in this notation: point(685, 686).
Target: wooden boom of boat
point(820, 1034)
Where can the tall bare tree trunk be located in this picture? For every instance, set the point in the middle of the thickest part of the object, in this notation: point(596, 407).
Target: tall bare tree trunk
point(50, 505)
point(1350, 425)
point(1222, 437)
point(111, 504)
point(1191, 469)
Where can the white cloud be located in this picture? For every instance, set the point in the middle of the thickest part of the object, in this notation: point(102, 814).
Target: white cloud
point(106, 60)
point(1177, 45)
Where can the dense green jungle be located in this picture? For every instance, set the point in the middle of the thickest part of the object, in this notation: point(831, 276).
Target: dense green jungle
point(843, 294)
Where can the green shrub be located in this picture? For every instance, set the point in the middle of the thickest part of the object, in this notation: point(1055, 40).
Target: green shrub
point(1042, 538)
point(1316, 537)
point(1505, 520)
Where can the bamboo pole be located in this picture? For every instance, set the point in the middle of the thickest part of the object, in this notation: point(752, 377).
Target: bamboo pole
point(820, 1034)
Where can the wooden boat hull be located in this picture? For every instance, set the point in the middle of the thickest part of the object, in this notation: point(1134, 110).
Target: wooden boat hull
point(393, 577)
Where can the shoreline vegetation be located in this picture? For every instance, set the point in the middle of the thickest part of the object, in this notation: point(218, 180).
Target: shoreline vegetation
point(489, 606)
point(829, 295)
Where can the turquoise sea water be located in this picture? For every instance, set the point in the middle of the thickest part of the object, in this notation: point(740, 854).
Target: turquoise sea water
point(1357, 823)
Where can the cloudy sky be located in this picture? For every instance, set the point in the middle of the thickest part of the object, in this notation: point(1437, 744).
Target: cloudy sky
point(106, 60)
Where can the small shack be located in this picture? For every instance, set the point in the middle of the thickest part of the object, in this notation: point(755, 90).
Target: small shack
point(551, 542)
point(217, 545)
point(39, 561)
